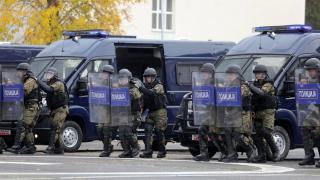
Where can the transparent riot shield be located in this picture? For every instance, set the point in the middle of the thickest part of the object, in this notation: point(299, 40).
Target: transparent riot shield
point(99, 98)
point(307, 97)
point(228, 100)
point(203, 99)
point(120, 101)
point(12, 96)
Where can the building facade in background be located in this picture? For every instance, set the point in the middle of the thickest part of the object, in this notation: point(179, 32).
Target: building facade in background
point(209, 19)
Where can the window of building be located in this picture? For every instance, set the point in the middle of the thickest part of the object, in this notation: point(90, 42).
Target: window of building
point(157, 16)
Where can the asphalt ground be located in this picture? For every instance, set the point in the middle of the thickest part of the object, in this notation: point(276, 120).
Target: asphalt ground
point(178, 164)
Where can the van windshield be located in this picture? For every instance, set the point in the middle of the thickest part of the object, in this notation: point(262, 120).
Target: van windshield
point(274, 64)
point(65, 66)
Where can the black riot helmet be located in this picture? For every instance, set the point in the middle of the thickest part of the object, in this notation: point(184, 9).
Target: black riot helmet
point(260, 69)
point(235, 69)
point(150, 72)
point(312, 63)
point(125, 72)
point(207, 67)
point(107, 69)
point(24, 67)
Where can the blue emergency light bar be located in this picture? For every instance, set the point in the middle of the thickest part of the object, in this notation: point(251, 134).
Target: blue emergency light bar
point(285, 28)
point(95, 33)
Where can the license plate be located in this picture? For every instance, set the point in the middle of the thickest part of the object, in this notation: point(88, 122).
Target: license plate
point(195, 137)
point(5, 132)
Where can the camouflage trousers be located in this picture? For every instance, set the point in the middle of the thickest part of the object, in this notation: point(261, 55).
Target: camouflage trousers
point(214, 134)
point(128, 133)
point(157, 121)
point(58, 118)
point(25, 128)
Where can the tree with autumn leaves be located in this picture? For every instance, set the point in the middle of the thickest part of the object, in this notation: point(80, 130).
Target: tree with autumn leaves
point(42, 21)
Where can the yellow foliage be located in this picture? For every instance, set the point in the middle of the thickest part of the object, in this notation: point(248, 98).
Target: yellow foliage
point(43, 21)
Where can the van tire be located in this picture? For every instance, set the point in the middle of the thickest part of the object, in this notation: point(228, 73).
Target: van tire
point(72, 136)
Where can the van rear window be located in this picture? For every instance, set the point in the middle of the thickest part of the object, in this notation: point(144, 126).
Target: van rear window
point(17, 54)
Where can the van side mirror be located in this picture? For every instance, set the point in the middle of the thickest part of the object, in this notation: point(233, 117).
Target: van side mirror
point(82, 87)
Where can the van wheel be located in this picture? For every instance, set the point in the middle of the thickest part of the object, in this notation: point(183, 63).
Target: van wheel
point(195, 151)
point(283, 142)
point(72, 136)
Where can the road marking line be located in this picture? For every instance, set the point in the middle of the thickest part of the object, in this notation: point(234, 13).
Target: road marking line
point(26, 163)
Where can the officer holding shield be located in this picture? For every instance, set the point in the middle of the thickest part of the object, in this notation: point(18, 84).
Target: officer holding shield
point(204, 113)
point(238, 119)
point(310, 123)
point(128, 132)
point(24, 132)
point(102, 115)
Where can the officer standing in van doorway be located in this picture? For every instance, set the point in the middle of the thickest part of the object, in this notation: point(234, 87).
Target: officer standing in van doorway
point(127, 133)
point(155, 100)
point(310, 129)
point(105, 129)
point(239, 123)
point(264, 107)
point(24, 132)
point(57, 101)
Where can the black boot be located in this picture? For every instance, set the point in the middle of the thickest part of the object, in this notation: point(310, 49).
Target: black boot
point(272, 144)
point(221, 147)
point(232, 154)
point(51, 146)
point(262, 154)
point(17, 142)
point(251, 153)
point(162, 144)
point(147, 142)
point(135, 146)
point(202, 157)
point(126, 149)
point(59, 147)
point(308, 159)
point(107, 139)
point(308, 147)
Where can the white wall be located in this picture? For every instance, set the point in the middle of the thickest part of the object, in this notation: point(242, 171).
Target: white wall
point(216, 19)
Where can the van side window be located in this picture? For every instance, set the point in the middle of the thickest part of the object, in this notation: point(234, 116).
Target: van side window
point(94, 66)
point(184, 71)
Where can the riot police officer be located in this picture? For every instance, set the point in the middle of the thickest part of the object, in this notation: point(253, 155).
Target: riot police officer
point(105, 130)
point(24, 132)
point(128, 133)
point(205, 127)
point(238, 121)
point(57, 101)
point(155, 100)
point(264, 106)
point(310, 130)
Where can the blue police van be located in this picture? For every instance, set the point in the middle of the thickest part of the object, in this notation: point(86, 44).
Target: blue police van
point(83, 52)
point(13, 54)
point(10, 56)
point(281, 49)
